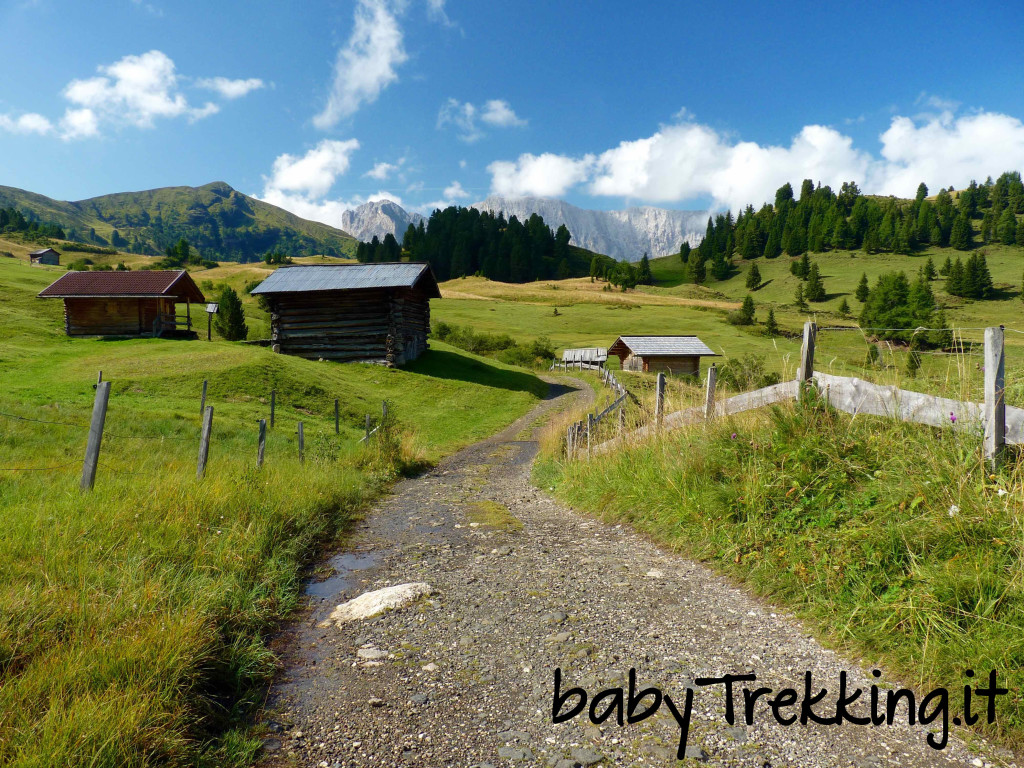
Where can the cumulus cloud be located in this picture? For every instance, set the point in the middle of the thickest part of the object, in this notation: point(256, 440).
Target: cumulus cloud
point(464, 116)
point(382, 171)
point(315, 172)
point(79, 124)
point(688, 160)
point(25, 124)
point(546, 175)
point(231, 89)
point(368, 62)
point(454, 191)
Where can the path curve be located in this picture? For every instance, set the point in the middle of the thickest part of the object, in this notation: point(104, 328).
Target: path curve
point(466, 676)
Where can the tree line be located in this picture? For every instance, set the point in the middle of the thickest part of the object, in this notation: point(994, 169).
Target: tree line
point(458, 242)
point(13, 220)
point(822, 220)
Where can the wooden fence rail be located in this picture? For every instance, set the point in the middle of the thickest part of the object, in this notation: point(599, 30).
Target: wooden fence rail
point(1000, 424)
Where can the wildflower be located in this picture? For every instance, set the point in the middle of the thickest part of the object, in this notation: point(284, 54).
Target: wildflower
point(733, 435)
point(953, 509)
point(1002, 492)
point(952, 417)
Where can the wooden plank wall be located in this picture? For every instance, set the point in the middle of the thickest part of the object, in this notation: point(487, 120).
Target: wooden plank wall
point(350, 326)
point(111, 317)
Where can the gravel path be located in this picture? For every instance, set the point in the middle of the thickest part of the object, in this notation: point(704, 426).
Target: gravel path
point(465, 677)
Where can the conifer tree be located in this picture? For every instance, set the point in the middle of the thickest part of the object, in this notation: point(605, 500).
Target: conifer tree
point(748, 309)
point(1008, 228)
point(861, 294)
point(720, 267)
point(773, 247)
point(643, 276)
point(798, 299)
point(684, 252)
point(960, 234)
point(753, 278)
point(230, 318)
point(698, 272)
point(1020, 232)
point(770, 326)
point(929, 269)
point(844, 308)
point(815, 288)
point(946, 266)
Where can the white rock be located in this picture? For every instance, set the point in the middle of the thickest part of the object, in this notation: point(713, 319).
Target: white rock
point(654, 573)
point(372, 603)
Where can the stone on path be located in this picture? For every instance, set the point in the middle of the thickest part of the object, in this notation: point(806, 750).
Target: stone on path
point(371, 603)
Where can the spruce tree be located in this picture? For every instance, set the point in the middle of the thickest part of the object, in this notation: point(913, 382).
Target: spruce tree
point(955, 279)
point(684, 252)
point(844, 308)
point(861, 294)
point(946, 266)
point(753, 278)
point(929, 269)
point(798, 299)
point(773, 247)
point(698, 272)
point(1020, 232)
point(770, 326)
point(1008, 228)
point(643, 276)
point(747, 310)
point(960, 235)
point(720, 268)
point(815, 288)
point(230, 318)
point(913, 363)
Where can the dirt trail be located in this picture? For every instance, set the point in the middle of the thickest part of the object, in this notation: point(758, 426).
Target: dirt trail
point(466, 676)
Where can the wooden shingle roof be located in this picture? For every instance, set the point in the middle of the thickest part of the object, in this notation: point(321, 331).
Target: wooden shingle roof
point(662, 346)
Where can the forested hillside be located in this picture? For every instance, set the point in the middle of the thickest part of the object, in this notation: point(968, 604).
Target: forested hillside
point(221, 222)
point(465, 241)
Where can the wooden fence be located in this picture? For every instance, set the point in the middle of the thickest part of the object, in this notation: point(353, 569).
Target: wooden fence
point(1000, 424)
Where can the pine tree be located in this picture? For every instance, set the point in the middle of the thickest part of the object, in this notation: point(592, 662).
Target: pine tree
point(698, 272)
point(861, 294)
point(929, 269)
point(955, 279)
point(773, 247)
point(747, 310)
point(720, 268)
point(1020, 232)
point(753, 278)
point(946, 266)
point(1008, 228)
point(913, 363)
point(684, 252)
point(770, 326)
point(844, 308)
point(960, 235)
point(643, 276)
point(798, 299)
point(230, 318)
point(595, 267)
point(815, 288)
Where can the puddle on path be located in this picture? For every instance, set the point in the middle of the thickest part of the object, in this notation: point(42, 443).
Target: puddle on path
point(345, 567)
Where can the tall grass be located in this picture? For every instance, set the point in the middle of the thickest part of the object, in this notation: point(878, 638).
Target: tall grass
point(894, 539)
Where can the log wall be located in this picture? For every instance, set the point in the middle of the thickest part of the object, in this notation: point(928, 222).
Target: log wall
point(351, 326)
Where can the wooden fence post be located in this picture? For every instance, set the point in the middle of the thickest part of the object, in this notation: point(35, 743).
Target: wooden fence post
point(302, 444)
point(367, 427)
point(622, 418)
point(260, 452)
point(273, 398)
point(202, 400)
point(383, 409)
point(92, 445)
point(709, 394)
point(99, 379)
point(806, 371)
point(659, 402)
point(995, 402)
point(590, 429)
point(337, 422)
point(204, 442)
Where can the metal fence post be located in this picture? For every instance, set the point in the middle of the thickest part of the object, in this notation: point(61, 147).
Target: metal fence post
point(995, 402)
point(92, 446)
point(204, 442)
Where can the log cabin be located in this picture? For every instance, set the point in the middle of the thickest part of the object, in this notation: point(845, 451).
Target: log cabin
point(378, 313)
point(45, 256)
point(111, 303)
point(669, 354)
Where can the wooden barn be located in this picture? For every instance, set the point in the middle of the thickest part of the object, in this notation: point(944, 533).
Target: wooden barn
point(669, 354)
point(376, 313)
point(125, 303)
point(45, 256)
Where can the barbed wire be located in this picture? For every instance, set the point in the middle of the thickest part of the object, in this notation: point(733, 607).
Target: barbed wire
point(87, 426)
point(42, 421)
point(39, 469)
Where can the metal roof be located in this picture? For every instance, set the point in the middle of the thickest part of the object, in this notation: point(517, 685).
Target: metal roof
point(43, 252)
point(346, 277)
point(585, 355)
point(152, 283)
point(663, 346)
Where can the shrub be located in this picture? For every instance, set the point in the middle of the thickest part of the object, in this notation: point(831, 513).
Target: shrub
point(746, 372)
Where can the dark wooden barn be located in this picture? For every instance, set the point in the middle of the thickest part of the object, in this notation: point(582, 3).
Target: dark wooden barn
point(376, 313)
point(668, 354)
point(45, 256)
point(125, 303)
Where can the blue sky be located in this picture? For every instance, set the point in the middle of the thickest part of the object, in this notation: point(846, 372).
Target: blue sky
point(324, 105)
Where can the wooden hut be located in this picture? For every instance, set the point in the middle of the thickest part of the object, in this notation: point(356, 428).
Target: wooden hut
point(669, 354)
point(111, 303)
point(45, 256)
point(376, 313)
point(591, 357)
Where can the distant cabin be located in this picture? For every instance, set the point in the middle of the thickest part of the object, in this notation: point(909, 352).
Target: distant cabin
point(376, 313)
point(139, 303)
point(45, 256)
point(669, 354)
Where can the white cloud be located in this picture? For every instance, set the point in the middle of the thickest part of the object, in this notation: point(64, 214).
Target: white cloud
point(454, 191)
point(464, 116)
point(462, 163)
point(314, 173)
point(435, 8)
point(497, 112)
point(231, 89)
point(688, 160)
point(381, 171)
point(546, 175)
point(30, 122)
point(367, 63)
point(79, 124)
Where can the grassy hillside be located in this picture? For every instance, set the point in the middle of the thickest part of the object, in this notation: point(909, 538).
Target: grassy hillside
point(133, 618)
point(218, 220)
